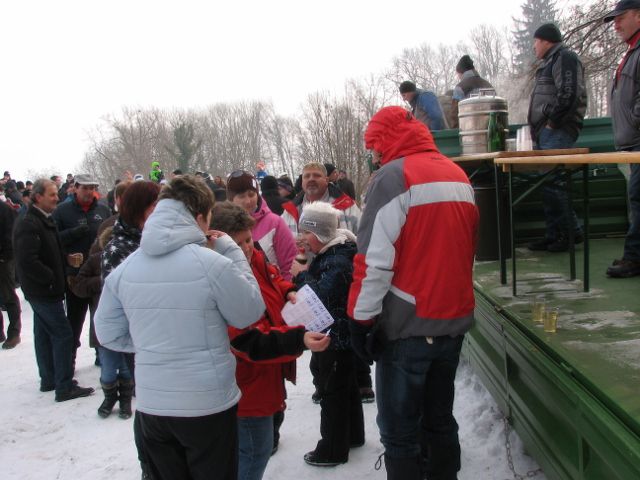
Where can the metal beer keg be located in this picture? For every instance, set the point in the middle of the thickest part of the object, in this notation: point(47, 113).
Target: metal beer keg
point(473, 116)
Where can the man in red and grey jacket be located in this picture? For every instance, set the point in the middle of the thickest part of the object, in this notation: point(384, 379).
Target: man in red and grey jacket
point(413, 282)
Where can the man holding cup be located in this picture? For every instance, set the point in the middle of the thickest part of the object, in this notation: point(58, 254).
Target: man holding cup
point(78, 221)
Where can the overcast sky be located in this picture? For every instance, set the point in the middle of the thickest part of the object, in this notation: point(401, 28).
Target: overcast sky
point(65, 64)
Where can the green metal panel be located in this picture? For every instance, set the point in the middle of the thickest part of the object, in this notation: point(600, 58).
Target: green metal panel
point(573, 396)
point(596, 134)
point(608, 192)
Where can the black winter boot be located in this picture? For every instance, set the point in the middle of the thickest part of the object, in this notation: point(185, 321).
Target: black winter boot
point(110, 398)
point(403, 468)
point(126, 392)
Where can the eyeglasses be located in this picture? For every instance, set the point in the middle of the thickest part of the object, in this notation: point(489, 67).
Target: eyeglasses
point(240, 173)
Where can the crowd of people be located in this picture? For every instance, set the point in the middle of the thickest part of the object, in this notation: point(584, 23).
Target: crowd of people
point(185, 279)
point(205, 349)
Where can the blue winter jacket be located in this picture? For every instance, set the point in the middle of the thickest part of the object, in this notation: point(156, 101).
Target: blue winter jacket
point(171, 302)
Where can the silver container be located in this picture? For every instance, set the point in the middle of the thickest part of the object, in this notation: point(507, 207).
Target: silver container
point(473, 116)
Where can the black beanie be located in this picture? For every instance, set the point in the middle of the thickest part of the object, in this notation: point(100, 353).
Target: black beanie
point(269, 183)
point(407, 86)
point(330, 168)
point(548, 32)
point(464, 64)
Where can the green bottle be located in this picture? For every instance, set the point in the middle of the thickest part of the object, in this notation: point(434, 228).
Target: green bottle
point(495, 134)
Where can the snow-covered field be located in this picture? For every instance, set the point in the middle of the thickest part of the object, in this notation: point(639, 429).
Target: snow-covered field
point(41, 439)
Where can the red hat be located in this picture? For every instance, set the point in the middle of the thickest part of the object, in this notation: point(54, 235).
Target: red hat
point(394, 132)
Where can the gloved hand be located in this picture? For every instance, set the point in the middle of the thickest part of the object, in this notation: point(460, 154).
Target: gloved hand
point(358, 333)
point(79, 231)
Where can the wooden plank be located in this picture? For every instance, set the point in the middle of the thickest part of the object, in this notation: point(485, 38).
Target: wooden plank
point(590, 158)
point(524, 153)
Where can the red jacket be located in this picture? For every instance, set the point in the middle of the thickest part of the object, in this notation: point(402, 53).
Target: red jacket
point(266, 351)
point(417, 235)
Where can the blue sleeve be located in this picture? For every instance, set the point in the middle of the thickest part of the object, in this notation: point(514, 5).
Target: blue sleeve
point(458, 94)
point(429, 103)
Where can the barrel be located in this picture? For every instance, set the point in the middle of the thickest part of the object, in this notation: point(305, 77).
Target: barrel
point(473, 117)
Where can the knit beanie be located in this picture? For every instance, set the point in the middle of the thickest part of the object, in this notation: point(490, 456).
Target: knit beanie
point(464, 64)
point(285, 183)
point(407, 86)
point(269, 183)
point(240, 183)
point(321, 219)
point(330, 168)
point(548, 32)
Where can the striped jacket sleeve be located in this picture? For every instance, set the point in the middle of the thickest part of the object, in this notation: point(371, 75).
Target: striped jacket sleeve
point(380, 226)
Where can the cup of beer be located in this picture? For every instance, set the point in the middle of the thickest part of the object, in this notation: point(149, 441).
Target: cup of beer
point(538, 309)
point(75, 259)
point(551, 320)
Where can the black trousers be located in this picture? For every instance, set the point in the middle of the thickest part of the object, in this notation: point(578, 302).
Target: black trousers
point(76, 312)
point(191, 448)
point(9, 298)
point(341, 416)
point(363, 372)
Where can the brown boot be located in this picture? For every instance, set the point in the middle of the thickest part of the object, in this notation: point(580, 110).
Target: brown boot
point(11, 342)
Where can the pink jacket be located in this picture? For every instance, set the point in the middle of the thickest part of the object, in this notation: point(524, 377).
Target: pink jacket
point(275, 239)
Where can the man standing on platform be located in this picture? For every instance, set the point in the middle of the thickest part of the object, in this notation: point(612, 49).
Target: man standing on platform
point(424, 105)
point(556, 112)
point(625, 112)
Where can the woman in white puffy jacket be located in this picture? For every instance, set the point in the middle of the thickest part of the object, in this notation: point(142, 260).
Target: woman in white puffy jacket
point(171, 302)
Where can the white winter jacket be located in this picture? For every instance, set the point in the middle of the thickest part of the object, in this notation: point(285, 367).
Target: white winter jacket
point(170, 302)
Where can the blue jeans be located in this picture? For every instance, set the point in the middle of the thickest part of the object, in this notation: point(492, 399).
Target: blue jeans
point(558, 215)
point(632, 241)
point(53, 342)
point(255, 441)
point(414, 391)
point(112, 366)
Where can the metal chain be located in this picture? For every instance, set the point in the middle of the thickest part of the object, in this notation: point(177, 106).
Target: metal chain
point(507, 444)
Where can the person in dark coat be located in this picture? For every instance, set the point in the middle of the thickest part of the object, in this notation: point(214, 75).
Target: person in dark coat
point(345, 184)
point(8, 295)
point(329, 276)
point(78, 221)
point(41, 264)
point(285, 188)
point(270, 193)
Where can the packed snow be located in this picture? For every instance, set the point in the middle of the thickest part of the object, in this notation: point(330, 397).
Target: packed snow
point(42, 439)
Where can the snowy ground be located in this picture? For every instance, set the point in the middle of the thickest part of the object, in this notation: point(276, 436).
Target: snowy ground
point(41, 439)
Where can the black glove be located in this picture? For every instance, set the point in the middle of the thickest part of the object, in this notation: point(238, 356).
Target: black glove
point(359, 334)
point(79, 231)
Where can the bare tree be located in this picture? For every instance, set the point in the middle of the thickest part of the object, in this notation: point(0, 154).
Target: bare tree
point(281, 138)
point(599, 48)
point(431, 69)
point(489, 51)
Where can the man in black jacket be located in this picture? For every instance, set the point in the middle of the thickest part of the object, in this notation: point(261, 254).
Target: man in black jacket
point(40, 263)
point(625, 112)
point(557, 108)
point(78, 221)
point(8, 295)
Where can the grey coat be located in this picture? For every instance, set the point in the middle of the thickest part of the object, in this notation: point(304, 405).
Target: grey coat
point(559, 97)
point(625, 103)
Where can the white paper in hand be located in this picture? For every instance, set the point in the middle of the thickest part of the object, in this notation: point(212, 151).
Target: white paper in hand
point(308, 311)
